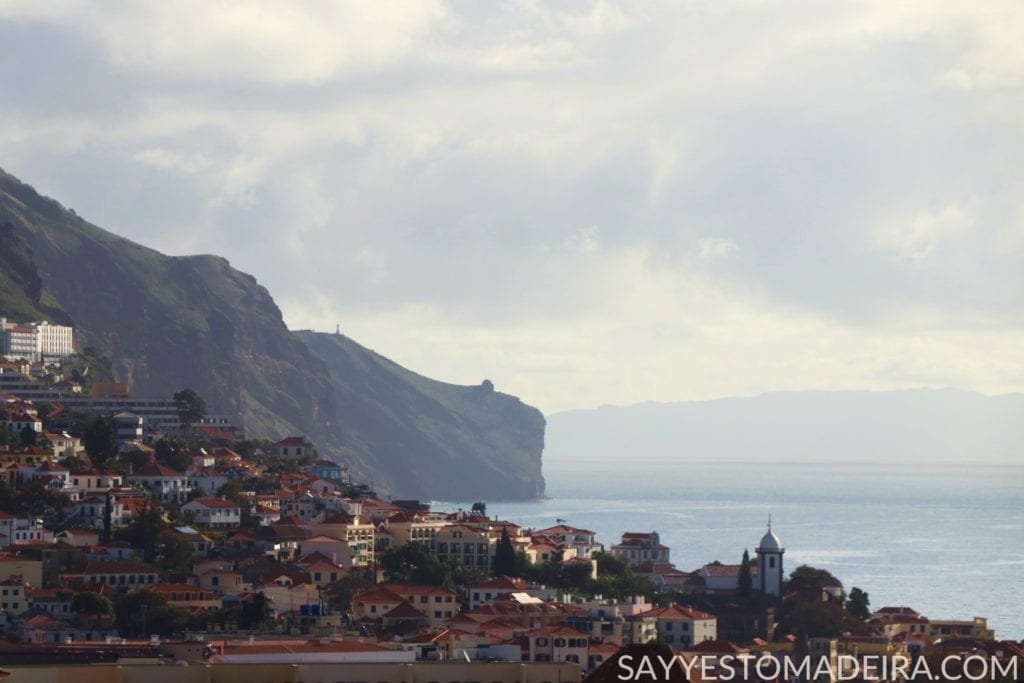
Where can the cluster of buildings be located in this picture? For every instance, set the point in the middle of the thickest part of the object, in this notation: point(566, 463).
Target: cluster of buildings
point(291, 532)
point(36, 342)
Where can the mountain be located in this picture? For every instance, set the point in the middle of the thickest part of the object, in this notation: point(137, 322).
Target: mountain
point(914, 426)
point(462, 438)
point(169, 322)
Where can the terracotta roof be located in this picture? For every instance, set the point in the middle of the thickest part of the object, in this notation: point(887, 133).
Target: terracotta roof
point(565, 529)
point(417, 589)
point(557, 630)
point(157, 470)
point(506, 583)
point(674, 612)
point(214, 502)
point(405, 611)
point(716, 647)
point(727, 570)
point(377, 594)
point(119, 567)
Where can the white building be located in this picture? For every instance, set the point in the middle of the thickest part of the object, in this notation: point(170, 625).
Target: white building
point(36, 341)
point(215, 513)
point(167, 485)
point(56, 342)
point(769, 563)
point(129, 427)
point(639, 548)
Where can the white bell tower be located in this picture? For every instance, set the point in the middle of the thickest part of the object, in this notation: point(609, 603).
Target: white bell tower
point(769, 562)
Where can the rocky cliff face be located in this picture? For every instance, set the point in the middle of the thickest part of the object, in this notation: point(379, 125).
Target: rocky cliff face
point(171, 322)
point(440, 440)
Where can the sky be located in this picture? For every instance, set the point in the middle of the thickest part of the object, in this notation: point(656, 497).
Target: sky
point(586, 202)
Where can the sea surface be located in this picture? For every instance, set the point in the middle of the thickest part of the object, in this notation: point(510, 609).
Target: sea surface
point(945, 540)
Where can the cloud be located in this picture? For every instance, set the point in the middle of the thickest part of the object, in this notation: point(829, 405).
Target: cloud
point(716, 247)
point(600, 203)
point(262, 41)
point(914, 238)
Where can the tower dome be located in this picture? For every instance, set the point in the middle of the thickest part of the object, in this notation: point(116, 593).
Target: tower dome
point(769, 562)
point(770, 541)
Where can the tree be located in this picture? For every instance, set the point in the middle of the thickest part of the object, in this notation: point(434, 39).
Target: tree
point(28, 436)
point(99, 438)
point(108, 517)
point(191, 407)
point(413, 563)
point(857, 603)
point(174, 554)
point(144, 532)
point(339, 593)
point(805, 578)
point(745, 584)
point(479, 509)
point(255, 612)
point(143, 613)
point(233, 492)
point(174, 453)
point(91, 603)
point(504, 556)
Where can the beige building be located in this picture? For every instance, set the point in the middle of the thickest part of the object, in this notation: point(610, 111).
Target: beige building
point(679, 627)
point(473, 544)
point(359, 533)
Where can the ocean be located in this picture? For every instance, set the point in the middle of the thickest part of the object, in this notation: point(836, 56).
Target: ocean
point(945, 540)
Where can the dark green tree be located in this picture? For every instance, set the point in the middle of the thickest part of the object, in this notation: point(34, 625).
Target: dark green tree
point(339, 594)
point(805, 578)
point(479, 509)
point(144, 532)
point(745, 583)
point(100, 439)
point(191, 407)
point(174, 553)
point(504, 556)
point(814, 618)
point(233, 492)
point(413, 563)
point(142, 614)
point(857, 603)
point(28, 436)
point(88, 602)
point(255, 612)
point(108, 517)
point(174, 453)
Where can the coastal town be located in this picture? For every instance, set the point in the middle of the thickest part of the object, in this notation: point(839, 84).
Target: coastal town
point(153, 531)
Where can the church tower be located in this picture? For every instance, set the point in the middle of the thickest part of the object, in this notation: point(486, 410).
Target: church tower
point(769, 563)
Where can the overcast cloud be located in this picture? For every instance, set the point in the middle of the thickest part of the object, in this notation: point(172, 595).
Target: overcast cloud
point(585, 202)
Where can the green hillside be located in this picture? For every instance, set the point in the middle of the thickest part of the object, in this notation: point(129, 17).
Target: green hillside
point(171, 322)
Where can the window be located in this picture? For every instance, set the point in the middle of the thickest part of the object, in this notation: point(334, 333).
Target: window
point(771, 563)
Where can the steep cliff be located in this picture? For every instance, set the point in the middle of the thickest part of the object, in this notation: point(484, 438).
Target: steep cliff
point(439, 440)
point(170, 322)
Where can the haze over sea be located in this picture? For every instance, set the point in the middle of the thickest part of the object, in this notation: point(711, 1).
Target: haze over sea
point(946, 540)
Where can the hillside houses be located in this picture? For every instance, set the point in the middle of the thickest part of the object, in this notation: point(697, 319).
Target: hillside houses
point(228, 539)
